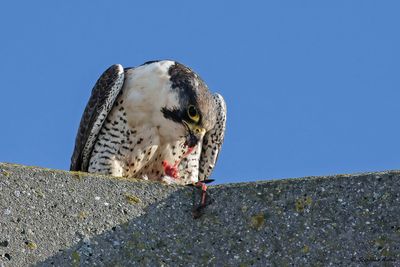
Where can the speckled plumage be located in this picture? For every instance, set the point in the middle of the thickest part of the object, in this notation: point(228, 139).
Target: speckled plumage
point(138, 118)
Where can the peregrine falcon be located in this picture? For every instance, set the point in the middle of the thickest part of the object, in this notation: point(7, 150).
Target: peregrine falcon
point(157, 121)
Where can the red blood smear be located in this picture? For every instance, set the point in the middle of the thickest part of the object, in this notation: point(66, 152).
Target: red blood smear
point(172, 170)
point(190, 150)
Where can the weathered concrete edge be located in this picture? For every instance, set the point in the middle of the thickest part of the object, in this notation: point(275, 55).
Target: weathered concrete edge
point(271, 180)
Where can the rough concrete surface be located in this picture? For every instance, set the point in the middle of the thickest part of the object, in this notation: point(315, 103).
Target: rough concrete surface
point(50, 217)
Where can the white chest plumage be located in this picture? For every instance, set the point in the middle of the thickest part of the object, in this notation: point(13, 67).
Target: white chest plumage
point(136, 138)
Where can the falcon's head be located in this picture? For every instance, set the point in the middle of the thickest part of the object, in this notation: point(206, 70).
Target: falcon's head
point(196, 109)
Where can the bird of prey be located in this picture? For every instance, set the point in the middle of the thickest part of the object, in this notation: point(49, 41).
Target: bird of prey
point(157, 121)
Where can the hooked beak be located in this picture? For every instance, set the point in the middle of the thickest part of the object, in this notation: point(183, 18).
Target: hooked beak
point(195, 132)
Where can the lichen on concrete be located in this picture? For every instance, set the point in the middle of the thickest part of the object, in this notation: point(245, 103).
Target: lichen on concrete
point(58, 218)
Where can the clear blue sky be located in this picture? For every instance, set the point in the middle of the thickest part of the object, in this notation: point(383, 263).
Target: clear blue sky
point(312, 87)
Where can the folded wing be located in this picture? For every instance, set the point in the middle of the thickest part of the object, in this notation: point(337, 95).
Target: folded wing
point(101, 101)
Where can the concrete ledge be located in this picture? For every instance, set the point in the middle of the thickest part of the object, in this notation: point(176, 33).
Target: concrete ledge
point(60, 218)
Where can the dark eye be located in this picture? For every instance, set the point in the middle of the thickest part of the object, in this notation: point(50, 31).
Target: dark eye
point(193, 114)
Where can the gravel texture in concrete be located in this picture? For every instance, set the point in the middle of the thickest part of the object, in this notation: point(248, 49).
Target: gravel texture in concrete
point(50, 217)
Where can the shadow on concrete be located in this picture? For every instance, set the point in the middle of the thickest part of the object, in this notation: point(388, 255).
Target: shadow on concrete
point(320, 221)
